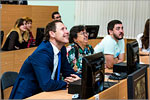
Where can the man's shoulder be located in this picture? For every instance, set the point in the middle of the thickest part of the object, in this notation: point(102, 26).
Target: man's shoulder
point(107, 37)
point(108, 40)
point(44, 47)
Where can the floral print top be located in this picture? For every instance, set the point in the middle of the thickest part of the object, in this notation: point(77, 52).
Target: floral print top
point(76, 60)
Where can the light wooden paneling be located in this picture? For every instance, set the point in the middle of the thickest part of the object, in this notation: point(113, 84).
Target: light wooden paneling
point(41, 16)
point(13, 60)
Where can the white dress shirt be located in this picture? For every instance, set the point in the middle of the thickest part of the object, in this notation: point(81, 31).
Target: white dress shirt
point(56, 51)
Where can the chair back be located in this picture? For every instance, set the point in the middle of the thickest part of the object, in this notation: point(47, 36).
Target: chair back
point(7, 80)
point(1, 36)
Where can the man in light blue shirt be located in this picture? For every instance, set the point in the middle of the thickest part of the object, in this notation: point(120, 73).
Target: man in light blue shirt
point(113, 44)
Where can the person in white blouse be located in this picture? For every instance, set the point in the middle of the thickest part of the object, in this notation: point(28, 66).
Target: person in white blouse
point(143, 40)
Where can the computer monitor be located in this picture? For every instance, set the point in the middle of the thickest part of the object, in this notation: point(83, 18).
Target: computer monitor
point(92, 81)
point(137, 84)
point(132, 56)
point(39, 36)
point(92, 30)
point(132, 64)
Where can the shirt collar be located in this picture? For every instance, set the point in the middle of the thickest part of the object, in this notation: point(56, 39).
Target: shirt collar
point(55, 49)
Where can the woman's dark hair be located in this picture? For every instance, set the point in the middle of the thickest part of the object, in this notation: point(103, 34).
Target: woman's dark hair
point(19, 22)
point(73, 32)
point(145, 37)
point(111, 25)
point(50, 27)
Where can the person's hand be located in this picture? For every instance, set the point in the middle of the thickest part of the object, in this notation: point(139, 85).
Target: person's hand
point(16, 47)
point(75, 77)
point(72, 78)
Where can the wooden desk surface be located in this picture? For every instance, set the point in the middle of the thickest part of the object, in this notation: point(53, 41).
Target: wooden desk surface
point(60, 94)
point(63, 94)
point(118, 91)
point(13, 60)
point(145, 59)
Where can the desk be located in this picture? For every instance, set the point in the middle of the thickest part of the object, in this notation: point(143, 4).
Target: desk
point(61, 94)
point(13, 60)
point(107, 94)
point(145, 59)
point(118, 91)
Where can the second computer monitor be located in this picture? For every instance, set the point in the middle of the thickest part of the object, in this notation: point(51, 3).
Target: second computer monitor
point(39, 36)
point(92, 75)
point(132, 56)
point(92, 30)
point(137, 84)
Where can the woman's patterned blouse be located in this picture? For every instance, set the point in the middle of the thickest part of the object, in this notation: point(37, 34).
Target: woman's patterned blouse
point(72, 51)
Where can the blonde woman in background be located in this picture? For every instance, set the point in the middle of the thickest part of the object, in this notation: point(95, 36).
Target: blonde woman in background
point(17, 38)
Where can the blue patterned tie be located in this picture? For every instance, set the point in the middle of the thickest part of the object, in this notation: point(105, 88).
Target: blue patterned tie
point(59, 65)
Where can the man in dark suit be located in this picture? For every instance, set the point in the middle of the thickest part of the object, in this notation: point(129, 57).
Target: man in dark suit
point(39, 71)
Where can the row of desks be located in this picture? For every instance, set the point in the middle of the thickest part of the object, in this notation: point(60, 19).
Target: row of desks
point(118, 91)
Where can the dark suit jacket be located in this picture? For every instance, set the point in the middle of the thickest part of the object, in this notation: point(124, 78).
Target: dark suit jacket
point(35, 74)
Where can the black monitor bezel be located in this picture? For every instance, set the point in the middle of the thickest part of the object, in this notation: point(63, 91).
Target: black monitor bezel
point(95, 27)
point(131, 64)
point(87, 90)
point(131, 84)
point(39, 35)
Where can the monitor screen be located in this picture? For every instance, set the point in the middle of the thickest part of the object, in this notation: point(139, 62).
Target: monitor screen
point(132, 56)
point(39, 36)
point(92, 30)
point(137, 84)
point(92, 75)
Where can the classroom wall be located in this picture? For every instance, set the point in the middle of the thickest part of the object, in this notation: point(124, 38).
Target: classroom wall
point(132, 13)
point(66, 9)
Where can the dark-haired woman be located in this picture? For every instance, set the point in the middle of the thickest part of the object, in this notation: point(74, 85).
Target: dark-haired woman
point(79, 46)
point(143, 40)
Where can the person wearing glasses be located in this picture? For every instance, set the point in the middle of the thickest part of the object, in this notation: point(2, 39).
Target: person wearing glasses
point(56, 16)
point(78, 47)
point(113, 44)
point(18, 36)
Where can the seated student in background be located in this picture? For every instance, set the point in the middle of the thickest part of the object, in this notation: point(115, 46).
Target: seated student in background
point(39, 71)
point(56, 16)
point(79, 47)
point(113, 44)
point(143, 40)
point(17, 38)
point(31, 41)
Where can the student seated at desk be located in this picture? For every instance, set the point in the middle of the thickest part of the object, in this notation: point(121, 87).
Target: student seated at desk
point(17, 38)
point(31, 41)
point(79, 47)
point(113, 44)
point(41, 70)
point(143, 40)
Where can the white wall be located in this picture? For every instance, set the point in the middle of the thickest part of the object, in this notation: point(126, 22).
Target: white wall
point(133, 14)
point(66, 9)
